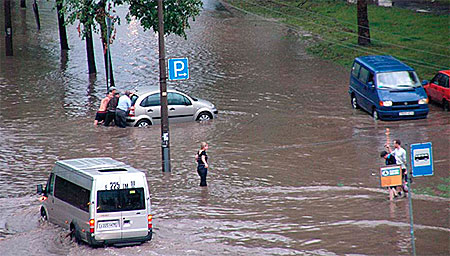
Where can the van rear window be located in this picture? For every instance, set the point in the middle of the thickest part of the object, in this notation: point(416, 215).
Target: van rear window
point(120, 200)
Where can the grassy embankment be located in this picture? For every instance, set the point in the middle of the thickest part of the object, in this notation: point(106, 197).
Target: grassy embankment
point(420, 40)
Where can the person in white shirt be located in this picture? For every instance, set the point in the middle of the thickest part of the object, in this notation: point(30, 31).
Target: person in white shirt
point(123, 106)
point(400, 156)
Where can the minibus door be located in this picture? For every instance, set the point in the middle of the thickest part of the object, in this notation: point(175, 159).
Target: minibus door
point(134, 214)
point(109, 212)
point(53, 212)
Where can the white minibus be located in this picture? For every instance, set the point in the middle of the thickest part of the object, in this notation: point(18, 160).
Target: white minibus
point(100, 200)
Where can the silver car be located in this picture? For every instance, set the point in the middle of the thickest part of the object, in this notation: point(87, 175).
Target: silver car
point(146, 107)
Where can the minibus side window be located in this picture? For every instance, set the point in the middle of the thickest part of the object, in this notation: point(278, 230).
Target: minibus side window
point(72, 194)
point(370, 79)
point(355, 69)
point(50, 184)
point(364, 75)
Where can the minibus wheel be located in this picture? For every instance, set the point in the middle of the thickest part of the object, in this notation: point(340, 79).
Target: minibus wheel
point(354, 102)
point(375, 114)
point(43, 214)
point(74, 234)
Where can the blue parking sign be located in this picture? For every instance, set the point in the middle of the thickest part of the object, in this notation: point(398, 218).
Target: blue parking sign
point(422, 159)
point(178, 69)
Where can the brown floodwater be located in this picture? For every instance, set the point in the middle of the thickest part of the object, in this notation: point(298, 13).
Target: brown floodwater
point(293, 169)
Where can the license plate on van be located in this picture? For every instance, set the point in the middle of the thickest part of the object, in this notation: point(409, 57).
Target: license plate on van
point(107, 225)
point(409, 113)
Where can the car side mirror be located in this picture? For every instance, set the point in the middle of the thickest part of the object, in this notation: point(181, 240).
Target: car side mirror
point(424, 82)
point(371, 85)
point(39, 189)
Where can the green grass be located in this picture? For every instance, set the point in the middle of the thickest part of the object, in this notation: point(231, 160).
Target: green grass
point(420, 40)
point(440, 189)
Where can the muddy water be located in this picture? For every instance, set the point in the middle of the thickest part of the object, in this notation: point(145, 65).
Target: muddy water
point(294, 170)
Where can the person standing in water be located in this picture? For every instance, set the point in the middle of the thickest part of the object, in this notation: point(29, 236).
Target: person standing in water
point(202, 160)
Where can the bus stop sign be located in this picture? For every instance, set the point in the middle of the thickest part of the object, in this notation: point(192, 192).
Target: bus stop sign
point(422, 159)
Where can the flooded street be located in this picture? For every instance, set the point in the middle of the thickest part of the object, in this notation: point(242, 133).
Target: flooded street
point(293, 168)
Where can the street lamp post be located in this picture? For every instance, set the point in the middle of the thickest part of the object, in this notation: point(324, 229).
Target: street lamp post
point(165, 144)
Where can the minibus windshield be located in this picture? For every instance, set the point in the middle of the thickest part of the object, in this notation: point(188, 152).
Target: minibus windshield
point(120, 200)
point(397, 80)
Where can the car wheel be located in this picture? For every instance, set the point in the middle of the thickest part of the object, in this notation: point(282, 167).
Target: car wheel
point(375, 114)
point(43, 215)
point(445, 106)
point(143, 123)
point(74, 234)
point(204, 116)
point(354, 102)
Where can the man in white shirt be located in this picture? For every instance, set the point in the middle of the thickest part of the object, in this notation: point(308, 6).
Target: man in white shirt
point(123, 106)
point(400, 157)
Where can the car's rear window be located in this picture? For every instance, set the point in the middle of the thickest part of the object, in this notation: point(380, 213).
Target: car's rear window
point(134, 97)
point(120, 200)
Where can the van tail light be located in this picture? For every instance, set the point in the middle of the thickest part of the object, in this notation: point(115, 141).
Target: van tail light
point(91, 225)
point(131, 113)
point(149, 218)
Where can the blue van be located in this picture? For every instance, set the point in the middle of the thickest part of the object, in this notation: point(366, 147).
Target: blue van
point(387, 88)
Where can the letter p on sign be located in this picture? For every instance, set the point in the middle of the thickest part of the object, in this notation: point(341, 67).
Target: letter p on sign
point(178, 69)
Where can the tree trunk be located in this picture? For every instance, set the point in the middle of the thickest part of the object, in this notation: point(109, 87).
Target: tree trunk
point(62, 27)
point(8, 29)
point(90, 51)
point(363, 23)
point(103, 28)
point(36, 15)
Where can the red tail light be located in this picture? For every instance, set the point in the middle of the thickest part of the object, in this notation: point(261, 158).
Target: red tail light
point(149, 218)
point(91, 225)
point(131, 113)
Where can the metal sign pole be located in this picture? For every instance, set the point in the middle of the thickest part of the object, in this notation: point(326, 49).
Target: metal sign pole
point(165, 144)
point(108, 35)
point(411, 224)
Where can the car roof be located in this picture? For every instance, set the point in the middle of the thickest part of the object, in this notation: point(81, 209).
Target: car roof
point(383, 63)
point(97, 166)
point(153, 88)
point(447, 72)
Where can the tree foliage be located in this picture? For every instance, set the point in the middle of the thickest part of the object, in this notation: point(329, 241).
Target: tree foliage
point(176, 14)
point(86, 12)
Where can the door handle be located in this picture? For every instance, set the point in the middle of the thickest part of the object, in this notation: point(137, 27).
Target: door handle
point(171, 109)
point(126, 221)
point(150, 110)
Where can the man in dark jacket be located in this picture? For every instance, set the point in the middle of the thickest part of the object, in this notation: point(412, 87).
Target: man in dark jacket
point(111, 107)
point(390, 160)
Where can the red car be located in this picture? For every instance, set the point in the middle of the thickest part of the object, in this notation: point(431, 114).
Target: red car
point(438, 90)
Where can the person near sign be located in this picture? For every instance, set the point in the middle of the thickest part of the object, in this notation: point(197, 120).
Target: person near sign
point(400, 156)
point(390, 160)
